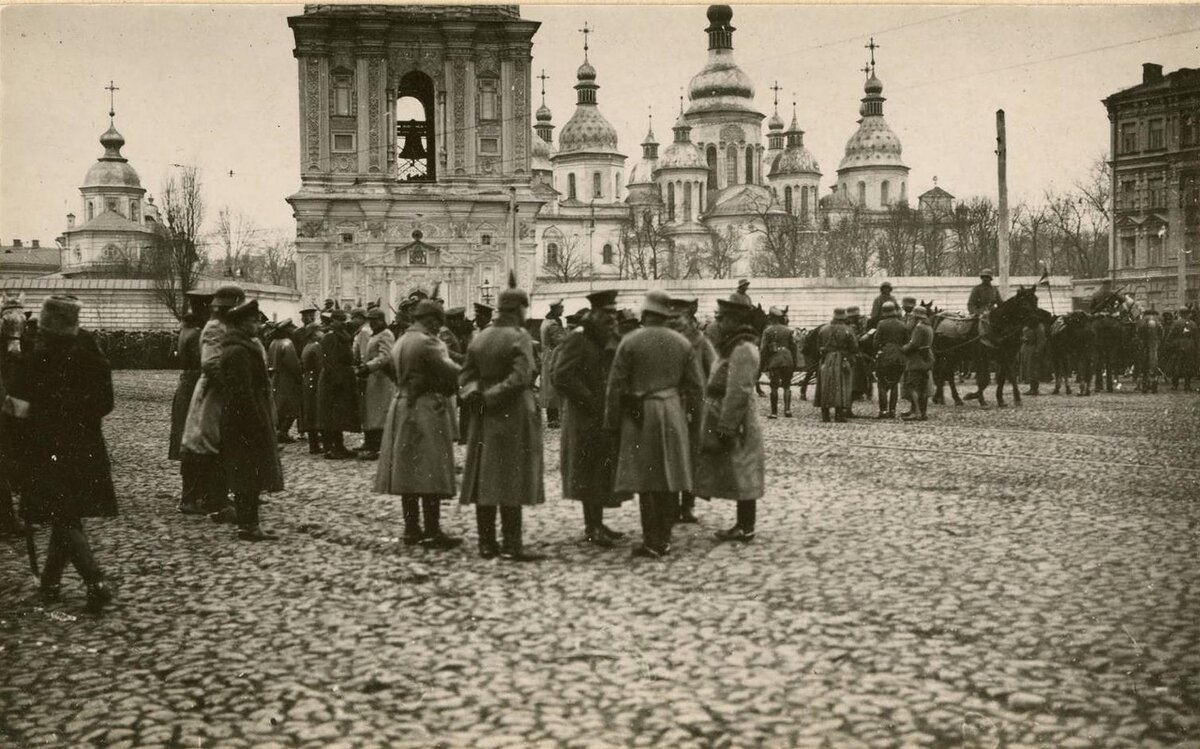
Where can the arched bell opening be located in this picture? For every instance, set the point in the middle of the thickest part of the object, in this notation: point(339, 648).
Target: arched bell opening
point(416, 144)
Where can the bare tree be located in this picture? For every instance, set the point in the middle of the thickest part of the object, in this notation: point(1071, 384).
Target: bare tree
point(897, 241)
point(849, 246)
point(235, 234)
point(279, 261)
point(787, 247)
point(178, 250)
point(724, 251)
point(570, 263)
point(648, 248)
point(974, 237)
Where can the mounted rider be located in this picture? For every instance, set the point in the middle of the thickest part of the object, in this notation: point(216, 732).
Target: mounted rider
point(984, 298)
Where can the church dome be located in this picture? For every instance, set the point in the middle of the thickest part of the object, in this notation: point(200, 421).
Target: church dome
point(795, 160)
point(684, 155)
point(721, 86)
point(539, 154)
point(586, 72)
point(776, 122)
point(587, 130)
point(873, 85)
point(874, 144)
point(112, 169)
point(543, 113)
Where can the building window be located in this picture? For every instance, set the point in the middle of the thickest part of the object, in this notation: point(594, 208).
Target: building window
point(78, 254)
point(489, 145)
point(552, 255)
point(348, 238)
point(416, 138)
point(343, 94)
point(606, 255)
point(1155, 196)
point(749, 165)
point(731, 166)
point(1190, 133)
point(488, 99)
point(485, 239)
point(617, 186)
point(343, 142)
point(110, 252)
point(1156, 135)
point(1129, 137)
point(687, 201)
point(862, 194)
point(670, 201)
point(416, 256)
point(134, 214)
point(571, 186)
point(111, 205)
point(91, 210)
point(1129, 251)
point(1154, 251)
point(787, 200)
point(903, 192)
point(883, 193)
point(1128, 199)
point(597, 186)
point(711, 156)
point(804, 193)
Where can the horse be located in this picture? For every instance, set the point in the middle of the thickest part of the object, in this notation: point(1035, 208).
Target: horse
point(958, 336)
point(1111, 349)
point(1072, 345)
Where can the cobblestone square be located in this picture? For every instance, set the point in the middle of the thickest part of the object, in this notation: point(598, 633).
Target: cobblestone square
point(998, 578)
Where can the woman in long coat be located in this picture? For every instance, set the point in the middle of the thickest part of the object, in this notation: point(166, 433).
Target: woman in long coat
point(287, 388)
point(731, 445)
point(310, 365)
point(379, 390)
point(504, 436)
point(838, 346)
point(65, 389)
point(417, 459)
point(248, 450)
point(337, 391)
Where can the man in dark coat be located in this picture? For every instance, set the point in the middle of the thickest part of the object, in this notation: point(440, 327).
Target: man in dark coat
point(885, 295)
point(551, 335)
point(482, 319)
point(860, 386)
point(918, 355)
point(588, 457)
point(779, 356)
point(337, 402)
point(654, 392)
point(248, 450)
point(287, 386)
point(683, 321)
point(740, 296)
point(62, 392)
point(310, 367)
point(984, 297)
point(890, 337)
point(838, 346)
point(12, 322)
point(504, 439)
point(187, 348)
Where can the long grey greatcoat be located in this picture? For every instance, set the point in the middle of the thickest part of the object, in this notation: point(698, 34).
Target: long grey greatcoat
point(504, 444)
point(380, 389)
point(838, 347)
point(418, 438)
point(188, 350)
point(248, 447)
point(202, 429)
point(63, 467)
point(286, 385)
point(656, 369)
point(588, 457)
point(552, 335)
point(310, 365)
point(732, 469)
point(337, 390)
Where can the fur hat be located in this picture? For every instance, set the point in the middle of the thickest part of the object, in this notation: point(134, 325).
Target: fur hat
point(60, 315)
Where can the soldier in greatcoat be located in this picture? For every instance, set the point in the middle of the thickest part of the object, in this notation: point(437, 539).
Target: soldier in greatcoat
point(376, 371)
point(200, 449)
point(890, 337)
point(310, 366)
point(449, 335)
point(885, 295)
point(337, 401)
point(504, 436)
point(417, 459)
point(684, 322)
point(361, 333)
point(779, 356)
point(918, 355)
point(187, 348)
point(588, 457)
point(248, 451)
point(283, 363)
point(731, 445)
point(551, 334)
point(654, 392)
point(482, 319)
point(1149, 334)
point(838, 346)
point(1029, 359)
point(860, 385)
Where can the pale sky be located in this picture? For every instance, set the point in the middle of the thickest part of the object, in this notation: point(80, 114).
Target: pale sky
point(216, 87)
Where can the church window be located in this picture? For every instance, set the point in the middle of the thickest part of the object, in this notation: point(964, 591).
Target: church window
point(731, 169)
point(485, 239)
point(1154, 251)
point(343, 93)
point(862, 193)
point(78, 254)
point(670, 201)
point(883, 193)
point(1129, 137)
point(1190, 134)
point(417, 256)
point(711, 156)
point(687, 201)
point(617, 186)
point(347, 238)
point(111, 205)
point(488, 99)
point(904, 192)
point(806, 194)
point(343, 142)
point(1156, 134)
point(606, 255)
point(787, 199)
point(416, 140)
point(749, 165)
point(489, 145)
point(571, 186)
point(700, 198)
point(110, 252)
point(1129, 247)
point(597, 185)
point(1128, 195)
point(552, 254)
point(134, 214)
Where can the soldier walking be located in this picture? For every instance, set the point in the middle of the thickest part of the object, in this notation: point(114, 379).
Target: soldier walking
point(417, 459)
point(375, 371)
point(654, 391)
point(503, 471)
point(890, 337)
point(552, 333)
point(337, 404)
point(731, 452)
point(779, 356)
point(838, 346)
point(588, 456)
point(918, 355)
point(683, 321)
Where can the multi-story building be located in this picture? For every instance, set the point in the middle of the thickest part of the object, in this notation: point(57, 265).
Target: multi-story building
point(1155, 163)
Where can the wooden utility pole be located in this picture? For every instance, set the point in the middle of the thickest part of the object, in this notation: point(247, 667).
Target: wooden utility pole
point(1002, 219)
point(512, 208)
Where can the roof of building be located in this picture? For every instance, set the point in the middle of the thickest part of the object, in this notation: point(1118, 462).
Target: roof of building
point(587, 131)
point(29, 256)
point(741, 200)
point(424, 12)
point(112, 169)
point(1184, 77)
point(111, 221)
point(935, 193)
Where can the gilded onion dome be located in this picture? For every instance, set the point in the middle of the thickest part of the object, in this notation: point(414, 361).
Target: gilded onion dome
point(721, 86)
point(682, 153)
point(587, 130)
point(874, 143)
point(112, 169)
point(795, 158)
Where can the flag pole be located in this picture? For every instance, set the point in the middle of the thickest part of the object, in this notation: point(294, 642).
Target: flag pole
point(1049, 287)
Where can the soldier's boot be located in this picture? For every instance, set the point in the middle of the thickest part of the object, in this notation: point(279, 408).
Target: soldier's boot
point(774, 404)
point(839, 415)
point(284, 432)
point(825, 415)
point(552, 418)
point(410, 509)
point(513, 547)
point(485, 520)
point(434, 537)
point(687, 506)
point(787, 402)
point(314, 442)
point(249, 528)
point(923, 403)
point(593, 523)
point(9, 524)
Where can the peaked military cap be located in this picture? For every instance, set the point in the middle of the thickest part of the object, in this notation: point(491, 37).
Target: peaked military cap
point(483, 309)
point(606, 299)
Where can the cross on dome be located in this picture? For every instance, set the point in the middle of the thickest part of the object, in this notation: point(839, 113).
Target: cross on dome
point(872, 46)
point(544, 78)
point(585, 31)
point(776, 88)
point(111, 88)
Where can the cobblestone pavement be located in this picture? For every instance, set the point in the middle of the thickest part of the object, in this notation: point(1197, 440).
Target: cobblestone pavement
point(1000, 578)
